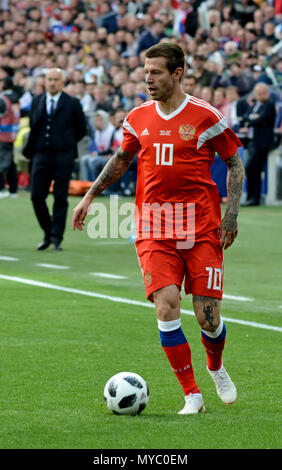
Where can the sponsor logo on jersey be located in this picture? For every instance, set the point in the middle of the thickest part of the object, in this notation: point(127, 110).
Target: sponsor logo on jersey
point(186, 131)
point(165, 132)
point(145, 132)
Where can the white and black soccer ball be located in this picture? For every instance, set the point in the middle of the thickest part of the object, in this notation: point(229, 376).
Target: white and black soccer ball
point(126, 393)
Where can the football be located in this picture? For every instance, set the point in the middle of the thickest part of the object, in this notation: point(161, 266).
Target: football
point(126, 393)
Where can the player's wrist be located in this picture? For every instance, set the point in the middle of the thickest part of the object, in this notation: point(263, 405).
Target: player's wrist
point(89, 196)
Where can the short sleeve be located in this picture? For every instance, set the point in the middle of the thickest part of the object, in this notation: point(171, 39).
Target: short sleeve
point(130, 142)
point(225, 144)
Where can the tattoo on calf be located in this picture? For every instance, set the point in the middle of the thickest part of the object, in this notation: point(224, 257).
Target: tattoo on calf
point(209, 304)
point(208, 312)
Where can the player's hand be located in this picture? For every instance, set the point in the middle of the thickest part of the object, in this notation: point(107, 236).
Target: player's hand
point(227, 238)
point(228, 231)
point(80, 212)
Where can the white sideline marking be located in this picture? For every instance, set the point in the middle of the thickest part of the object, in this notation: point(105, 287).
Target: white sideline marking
point(116, 276)
point(52, 266)
point(46, 285)
point(108, 276)
point(237, 297)
point(112, 243)
point(8, 258)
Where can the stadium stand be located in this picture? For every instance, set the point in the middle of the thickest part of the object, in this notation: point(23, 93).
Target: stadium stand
point(100, 45)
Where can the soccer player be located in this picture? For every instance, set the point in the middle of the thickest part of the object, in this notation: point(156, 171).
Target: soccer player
point(176, 137)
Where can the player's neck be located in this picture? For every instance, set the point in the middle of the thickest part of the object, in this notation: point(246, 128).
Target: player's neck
point(172, 103)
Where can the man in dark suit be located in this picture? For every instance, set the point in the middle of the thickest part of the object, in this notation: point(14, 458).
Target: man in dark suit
point(57, 124)
point(260, 127)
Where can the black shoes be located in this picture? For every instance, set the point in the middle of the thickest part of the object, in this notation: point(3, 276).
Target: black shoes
point(44, 245)
point(250, 202)
point(57, 247)
point(47, 242)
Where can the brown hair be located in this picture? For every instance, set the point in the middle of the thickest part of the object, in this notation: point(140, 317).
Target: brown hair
point(173, 54)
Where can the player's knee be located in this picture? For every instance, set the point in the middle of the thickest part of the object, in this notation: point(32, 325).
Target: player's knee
point(165, 311)
point(167, 303)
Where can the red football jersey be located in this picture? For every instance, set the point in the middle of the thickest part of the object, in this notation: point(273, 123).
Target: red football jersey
point(175, 154)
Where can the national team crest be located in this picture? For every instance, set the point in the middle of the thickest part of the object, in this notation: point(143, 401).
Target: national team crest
point(148, 277)
point(186, 131)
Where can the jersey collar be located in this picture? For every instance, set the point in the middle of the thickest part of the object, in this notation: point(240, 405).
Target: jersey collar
point(177, 111)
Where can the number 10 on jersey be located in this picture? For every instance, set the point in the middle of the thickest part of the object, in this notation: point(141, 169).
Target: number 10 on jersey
point(164, 154)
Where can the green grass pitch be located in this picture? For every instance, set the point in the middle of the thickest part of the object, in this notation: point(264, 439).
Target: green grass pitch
point(58, 348)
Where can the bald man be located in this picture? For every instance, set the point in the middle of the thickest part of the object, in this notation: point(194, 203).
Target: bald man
point(57, 124)
point(260, 122)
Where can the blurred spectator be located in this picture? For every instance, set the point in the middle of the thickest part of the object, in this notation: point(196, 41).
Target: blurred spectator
point(128, 91)
point(269, 32)
point(109, 18)
point(127, 183)
point(220, 102)
point(258, 75)
point(207, 93)
point(100, 148)
point(238, 108)
point(186, 18)
point(102, 101)
point(201, 72)
point(139, 99)
point(189, 84)
point(92, 70)
point(251, 36)
point(243, 10)
point(232, 53)
point(225, 34)
point(260, 128)
point(9, 126)
point(237, 77)
point(152, 36)
point(278, 73)
point(219, 79)
point(86, 100)
point(214, 18)
point(214, 53)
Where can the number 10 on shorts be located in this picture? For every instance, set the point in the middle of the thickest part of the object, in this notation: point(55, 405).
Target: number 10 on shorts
point(215, 278)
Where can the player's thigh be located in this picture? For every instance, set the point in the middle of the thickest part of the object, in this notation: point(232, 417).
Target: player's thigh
point(204, 268)
point(160, 264)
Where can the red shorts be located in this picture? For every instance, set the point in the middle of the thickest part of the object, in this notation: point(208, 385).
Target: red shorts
point(201, 267)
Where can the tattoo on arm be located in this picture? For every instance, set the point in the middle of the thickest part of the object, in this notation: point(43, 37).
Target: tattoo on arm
point(114, 169)
point(235, 183)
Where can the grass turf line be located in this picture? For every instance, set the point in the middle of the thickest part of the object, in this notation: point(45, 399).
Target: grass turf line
point(58, 350)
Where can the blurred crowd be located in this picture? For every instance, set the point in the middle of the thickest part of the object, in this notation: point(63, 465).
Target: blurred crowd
point(231, 45)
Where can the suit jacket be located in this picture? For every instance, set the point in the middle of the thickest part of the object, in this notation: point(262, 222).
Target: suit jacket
point(263, 125)
point(68, 124)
